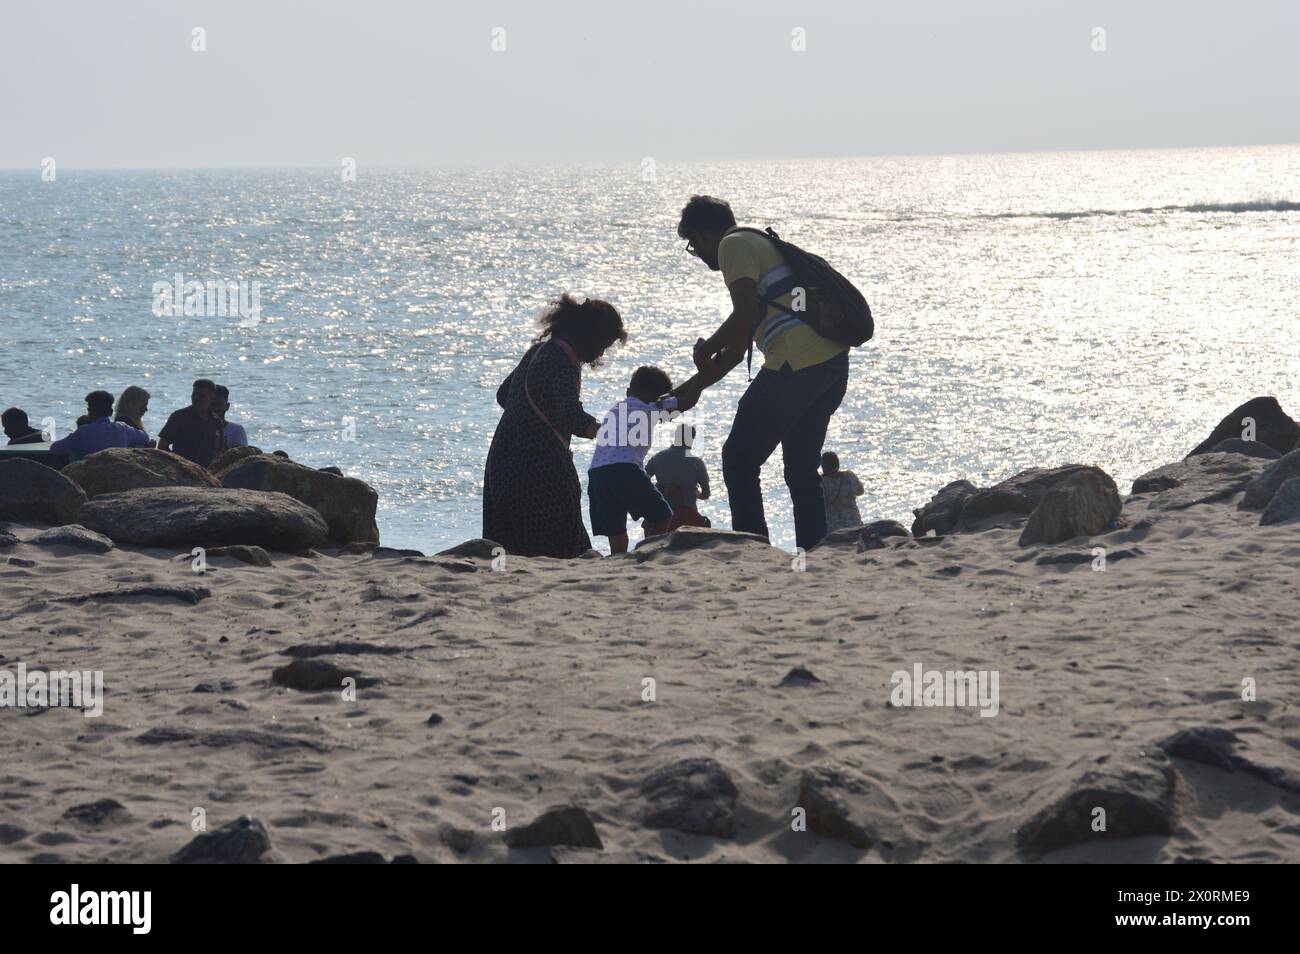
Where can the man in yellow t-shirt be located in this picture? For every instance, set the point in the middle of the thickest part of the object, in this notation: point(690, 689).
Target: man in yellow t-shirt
point(799, 387)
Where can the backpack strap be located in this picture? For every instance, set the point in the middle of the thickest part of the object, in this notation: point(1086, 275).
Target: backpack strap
point(768, 299)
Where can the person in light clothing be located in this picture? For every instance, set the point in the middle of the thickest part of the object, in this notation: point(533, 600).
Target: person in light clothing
point(682, 478)
point(617, 484)
point(232, 434)
point(842, 489)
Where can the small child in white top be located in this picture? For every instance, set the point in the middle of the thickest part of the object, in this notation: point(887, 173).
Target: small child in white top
point(617, 484)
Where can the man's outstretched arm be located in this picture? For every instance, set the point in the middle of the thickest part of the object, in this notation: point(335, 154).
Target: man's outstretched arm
point(735, 333)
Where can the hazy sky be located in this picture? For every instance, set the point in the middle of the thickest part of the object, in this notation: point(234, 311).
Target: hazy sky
point(285, 83)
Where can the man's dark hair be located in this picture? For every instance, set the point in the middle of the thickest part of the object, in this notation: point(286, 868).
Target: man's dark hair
point(222, 391)
point(14, 417)
point(99, 404)
point(704, 213)
point(648, 379)
point(830, 462)
point(205, 384)
point(590, 327)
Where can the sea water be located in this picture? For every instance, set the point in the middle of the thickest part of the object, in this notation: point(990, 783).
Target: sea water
point(1031, 309)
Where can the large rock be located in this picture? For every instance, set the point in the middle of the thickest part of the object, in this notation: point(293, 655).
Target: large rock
point(189, 517)
point(1022, 493)
point(318, 675)
point(119, 469)
point(943, 511)
point(230, 457)
point(1205, 478)
point(564, 826)
point(242, 842)
point(832, 798)
point(1273, 427)
point(877, 530)
point(347, 504)
point(1079, 507)
point(1260, 490)
point(478, 547)
point(1235, 445)
point(33, 493)
point(1216, 747)
point(694, 538)
point(1285, 505)
point(692, 795)
point(73, 536)
point(1135, 790)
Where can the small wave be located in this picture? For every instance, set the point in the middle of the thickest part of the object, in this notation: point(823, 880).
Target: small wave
point(1278, 205)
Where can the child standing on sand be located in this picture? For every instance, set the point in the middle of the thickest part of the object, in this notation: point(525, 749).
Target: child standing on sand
point(617, 483)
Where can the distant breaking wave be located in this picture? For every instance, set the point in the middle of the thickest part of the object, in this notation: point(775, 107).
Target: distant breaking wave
point(1280, 205)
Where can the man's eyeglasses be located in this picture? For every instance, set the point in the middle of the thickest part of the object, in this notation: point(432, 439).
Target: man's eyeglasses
point(690, 247)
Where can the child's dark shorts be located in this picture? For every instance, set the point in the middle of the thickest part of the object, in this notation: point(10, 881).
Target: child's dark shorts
point(616, 490)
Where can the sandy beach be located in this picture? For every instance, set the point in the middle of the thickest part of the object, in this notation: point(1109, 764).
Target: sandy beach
point(490, 692)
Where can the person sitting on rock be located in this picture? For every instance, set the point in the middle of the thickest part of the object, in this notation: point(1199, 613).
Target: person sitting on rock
point(232, 434)
point(682, 478)
point(842, 489)
point(100, 431)
point(18, 430)
point(194, 432)
point(131, 407)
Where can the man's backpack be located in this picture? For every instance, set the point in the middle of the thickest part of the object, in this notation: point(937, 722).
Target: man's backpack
point(832, 306)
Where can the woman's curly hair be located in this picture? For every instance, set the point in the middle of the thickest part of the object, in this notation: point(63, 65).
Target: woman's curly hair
point(590, 327)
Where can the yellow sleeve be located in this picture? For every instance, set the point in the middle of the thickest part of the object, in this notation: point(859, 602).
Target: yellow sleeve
point(737, 258)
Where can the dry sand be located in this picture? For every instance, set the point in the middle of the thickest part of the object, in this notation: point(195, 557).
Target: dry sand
point(537, 673)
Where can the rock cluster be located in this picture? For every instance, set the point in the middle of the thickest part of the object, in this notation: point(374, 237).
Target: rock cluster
point(149, 497)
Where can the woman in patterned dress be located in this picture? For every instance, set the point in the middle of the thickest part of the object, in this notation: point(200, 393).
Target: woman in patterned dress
point(532, 498)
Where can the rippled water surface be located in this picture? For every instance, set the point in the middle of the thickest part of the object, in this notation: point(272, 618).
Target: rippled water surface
point(1102, 308)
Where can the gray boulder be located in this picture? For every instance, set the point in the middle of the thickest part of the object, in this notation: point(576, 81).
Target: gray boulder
point(834, 800)
point(567, 826)
point(33, 493)
point(1260, 491)
point(317, 675)
point(693, 538)
point(1235, 445)
point(347, 504)
point(1022, 493)
point(119, 469)
point(1273, 427)
point(943, 511)
point(1285, 505)
point(478, 547)
point(1135, 789)
point(74, 536)
point(879, 529)
point(693, 795)
point(242, 842)
point(1081, 506)
point(230, 457)
point(1205, 478)
point(254, 556)
point(211, 517)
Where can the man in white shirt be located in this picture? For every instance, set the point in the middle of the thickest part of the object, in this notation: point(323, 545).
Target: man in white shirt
point(617, 484)
point(233, 434)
